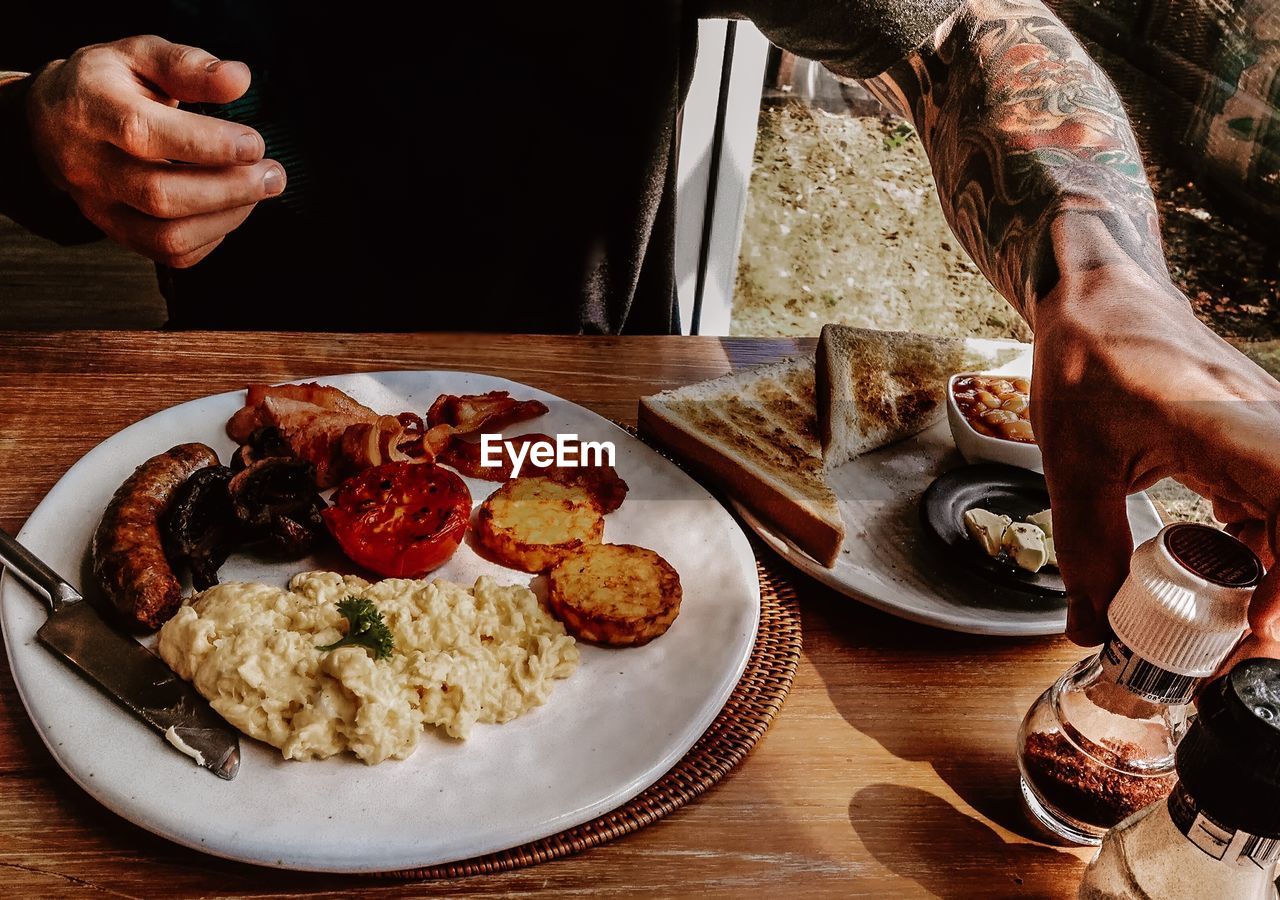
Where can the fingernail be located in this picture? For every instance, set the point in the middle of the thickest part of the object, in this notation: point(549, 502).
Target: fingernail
point(273, 181)
point(214, 66)
point(248, 148)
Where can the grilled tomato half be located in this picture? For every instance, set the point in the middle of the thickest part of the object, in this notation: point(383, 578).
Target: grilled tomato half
point(400, 519)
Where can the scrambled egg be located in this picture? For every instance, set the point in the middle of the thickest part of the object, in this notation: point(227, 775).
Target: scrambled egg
point(461, 656)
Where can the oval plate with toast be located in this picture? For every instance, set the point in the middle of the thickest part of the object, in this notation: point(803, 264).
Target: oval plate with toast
point(887, 560)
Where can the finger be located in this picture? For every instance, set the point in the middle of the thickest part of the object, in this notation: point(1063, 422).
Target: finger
point(1230, 511)
point(1264, 609)
point(1230, 502)
point(170, 241)
point(187, 74)
point(190, 259)
point(167, 191)
point(153, 131)
point(1251, 647)
point(1093, 542)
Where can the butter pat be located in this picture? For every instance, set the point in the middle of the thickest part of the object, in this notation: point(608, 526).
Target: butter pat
point(171, 735)
point(1025, 545)
point(987, 529)
point(1044, 521)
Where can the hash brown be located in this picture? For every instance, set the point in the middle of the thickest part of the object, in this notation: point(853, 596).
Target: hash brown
point(532, 523)
point(615, 594)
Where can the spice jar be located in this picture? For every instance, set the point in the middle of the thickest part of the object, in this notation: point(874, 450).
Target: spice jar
point(1098, 745)
point(1218, 835)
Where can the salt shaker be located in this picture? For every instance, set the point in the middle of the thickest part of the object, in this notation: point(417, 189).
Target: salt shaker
point(1218, 834)
point(1098, 745)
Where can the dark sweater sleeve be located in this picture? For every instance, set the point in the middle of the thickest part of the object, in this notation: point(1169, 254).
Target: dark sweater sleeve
point(856, 38)
point(26, 196)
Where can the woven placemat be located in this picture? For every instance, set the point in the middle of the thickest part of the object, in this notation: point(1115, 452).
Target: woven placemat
point(751, 708)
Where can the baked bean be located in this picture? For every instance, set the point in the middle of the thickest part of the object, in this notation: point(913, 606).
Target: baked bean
point(1019, 430)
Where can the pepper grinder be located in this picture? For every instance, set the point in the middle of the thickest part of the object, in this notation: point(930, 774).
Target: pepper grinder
point(1218, 835)
point(1098, 745)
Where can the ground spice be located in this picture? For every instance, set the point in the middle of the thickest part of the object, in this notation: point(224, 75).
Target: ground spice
point(1083, 787)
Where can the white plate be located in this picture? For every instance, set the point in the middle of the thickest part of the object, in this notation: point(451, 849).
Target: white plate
point(886, 561)
point(608, 732)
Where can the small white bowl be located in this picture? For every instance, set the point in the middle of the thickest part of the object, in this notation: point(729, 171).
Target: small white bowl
point(977, 447)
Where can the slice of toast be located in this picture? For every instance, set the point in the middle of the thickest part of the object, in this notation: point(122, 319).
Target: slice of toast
point(877, 387)
point(754, 433)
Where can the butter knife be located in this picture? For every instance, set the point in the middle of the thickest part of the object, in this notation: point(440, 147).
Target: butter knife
point(124, 669)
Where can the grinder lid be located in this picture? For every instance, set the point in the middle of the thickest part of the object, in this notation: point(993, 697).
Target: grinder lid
point(1185, 604)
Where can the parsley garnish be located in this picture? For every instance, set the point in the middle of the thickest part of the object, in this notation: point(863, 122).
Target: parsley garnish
point(365, 628)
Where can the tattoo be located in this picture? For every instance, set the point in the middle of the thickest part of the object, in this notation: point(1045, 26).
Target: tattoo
point(1025, 131)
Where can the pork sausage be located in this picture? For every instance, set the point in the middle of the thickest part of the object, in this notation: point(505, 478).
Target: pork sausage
point(129, 562)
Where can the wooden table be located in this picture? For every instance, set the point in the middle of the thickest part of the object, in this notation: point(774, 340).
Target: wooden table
point(889, 773)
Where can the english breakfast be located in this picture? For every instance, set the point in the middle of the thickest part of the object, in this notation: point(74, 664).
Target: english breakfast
point(337, 662)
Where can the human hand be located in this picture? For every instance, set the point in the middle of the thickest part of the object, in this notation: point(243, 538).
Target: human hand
point(1128, 388)
point(167, 183)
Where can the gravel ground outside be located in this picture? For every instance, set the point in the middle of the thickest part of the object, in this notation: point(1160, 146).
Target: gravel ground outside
point(843, 224)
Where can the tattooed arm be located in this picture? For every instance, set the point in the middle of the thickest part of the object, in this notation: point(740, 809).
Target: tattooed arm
point(1041, 179)
point(1023, 128)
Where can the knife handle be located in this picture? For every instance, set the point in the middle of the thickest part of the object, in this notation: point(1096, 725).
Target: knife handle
point(32, 572)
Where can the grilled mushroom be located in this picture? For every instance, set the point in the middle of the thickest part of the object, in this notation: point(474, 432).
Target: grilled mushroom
point(264, 443)
point(276, 503)
point(201, 528)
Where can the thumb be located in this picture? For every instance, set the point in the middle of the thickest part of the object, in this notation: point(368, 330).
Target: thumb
point(1264, 608)
point(188, 74)
point(1092, 539)
point(1264, 625)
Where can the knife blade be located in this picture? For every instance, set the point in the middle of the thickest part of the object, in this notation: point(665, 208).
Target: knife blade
point(125, 670)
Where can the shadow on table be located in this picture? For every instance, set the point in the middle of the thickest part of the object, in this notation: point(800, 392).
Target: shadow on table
point(911, 688)
point(919, 836)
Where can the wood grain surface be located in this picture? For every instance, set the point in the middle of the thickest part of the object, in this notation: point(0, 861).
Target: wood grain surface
point(890, 772)
point(94, 285)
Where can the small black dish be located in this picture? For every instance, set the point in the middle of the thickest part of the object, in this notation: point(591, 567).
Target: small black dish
point(1005, 491)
